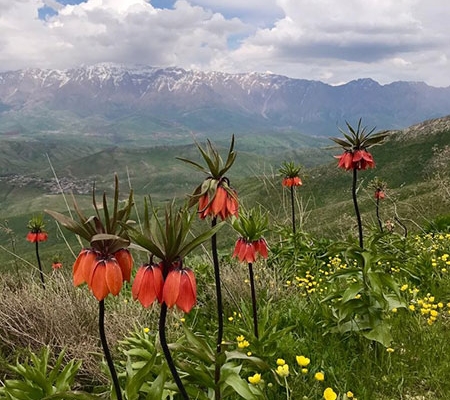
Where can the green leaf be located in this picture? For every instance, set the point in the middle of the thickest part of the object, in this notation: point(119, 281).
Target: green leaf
point(351, 292)
point(381, 334)
point(240, 386)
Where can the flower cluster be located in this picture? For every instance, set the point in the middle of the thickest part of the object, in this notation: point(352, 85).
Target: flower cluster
point(219, 202)
point(37, 232)
point(290, 173)
point(355, 145)
point(247, 251)
point(358, 159)
point(103, 273)
point(178, 288)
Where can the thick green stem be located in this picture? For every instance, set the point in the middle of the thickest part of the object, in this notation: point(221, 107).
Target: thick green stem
point(40, 265)
point(166, 351)
point(355, 203)
point(109, 361)
point(253, 290)
point(219, 312)
point(293, 209)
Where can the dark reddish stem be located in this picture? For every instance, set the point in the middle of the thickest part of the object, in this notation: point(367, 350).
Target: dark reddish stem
point(293, 209)
point(253, 290)
point(166, 351)
point(40, 265)
point(219, 311)
point(106, 352)
point(355, 204)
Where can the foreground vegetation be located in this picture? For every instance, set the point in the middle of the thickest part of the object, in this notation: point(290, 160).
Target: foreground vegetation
point(352, 315)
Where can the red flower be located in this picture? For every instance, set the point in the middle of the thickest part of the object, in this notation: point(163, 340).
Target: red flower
point(379, 194)
point(148, 284)
point(103, 274)
point(34, 237)
point(56, 265)
point(292, 181)
point(180, 289)
point(247, 251)
point(224, 203)
point(358, 159)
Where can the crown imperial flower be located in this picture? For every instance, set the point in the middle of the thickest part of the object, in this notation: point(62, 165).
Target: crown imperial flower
point(355, 147)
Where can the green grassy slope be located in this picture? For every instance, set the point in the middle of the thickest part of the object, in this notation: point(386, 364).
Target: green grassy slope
point(405, 162)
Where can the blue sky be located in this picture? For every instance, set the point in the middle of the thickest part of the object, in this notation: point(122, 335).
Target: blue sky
point(328, 40)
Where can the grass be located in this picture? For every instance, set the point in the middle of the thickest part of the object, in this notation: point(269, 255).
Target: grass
point(300, 288)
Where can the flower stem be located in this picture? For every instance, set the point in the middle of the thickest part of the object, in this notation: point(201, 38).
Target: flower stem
point(166, 351)
point(293, 209)
point(378, 215)
point(109, 361)
point(355, 203)
point(40, 265)
point(219, 311)
point(252, 287)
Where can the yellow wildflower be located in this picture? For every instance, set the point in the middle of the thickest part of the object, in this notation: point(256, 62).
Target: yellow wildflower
point(282, 370)
point(329, 394)
point(349, 395)
point(302, 361)
point(146, 330)
point(390, 350)
point(240, 338)
point(280, 361)
point(255, 379)
point(243, 344)
point(319, 376)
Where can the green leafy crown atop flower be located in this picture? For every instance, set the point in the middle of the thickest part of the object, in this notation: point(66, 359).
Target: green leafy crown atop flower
point(106, 232)
point(359, 139)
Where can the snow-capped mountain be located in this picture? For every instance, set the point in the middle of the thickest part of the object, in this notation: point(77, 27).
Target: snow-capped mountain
point(213, 101)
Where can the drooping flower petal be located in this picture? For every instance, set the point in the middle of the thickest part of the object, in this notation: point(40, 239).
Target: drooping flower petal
point(204, 206)
point(113, 277)
point(125, 260)
point(250, 254)
point(82, 268)
point(98, 283)
point(219, 202)
point(188, 291)
point(261, 248)
point(171, 289)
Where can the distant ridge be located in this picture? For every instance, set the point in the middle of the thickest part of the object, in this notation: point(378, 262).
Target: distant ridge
point(111, 99)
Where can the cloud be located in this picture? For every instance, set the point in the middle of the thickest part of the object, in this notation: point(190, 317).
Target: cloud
point(321, 39)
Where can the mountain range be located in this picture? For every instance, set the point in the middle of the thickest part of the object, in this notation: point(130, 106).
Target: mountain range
point(128, 103)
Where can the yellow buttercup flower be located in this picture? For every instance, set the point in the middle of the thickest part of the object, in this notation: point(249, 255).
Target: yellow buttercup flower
point(146, 330)
point(349, 394)
point(243, 344)
point(304, 371)
point(302, 361)
point(255, 379)
point(240, 338)
point(329, 394)
point(319, 376)
point(282, 370)
point(280, 361)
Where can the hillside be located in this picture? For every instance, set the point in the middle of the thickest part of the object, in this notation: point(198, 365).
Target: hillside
point(413, 162)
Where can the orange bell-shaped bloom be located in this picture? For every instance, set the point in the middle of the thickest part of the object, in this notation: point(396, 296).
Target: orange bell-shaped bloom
point(106, 277)
point(223, 204)
point(180, 289)
point(148, 284)
point(57, 265)
point(345, 160)
point(247, 251)
point(362, 159)
point(34, 237)
point(379, 194)
point(292, 181)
